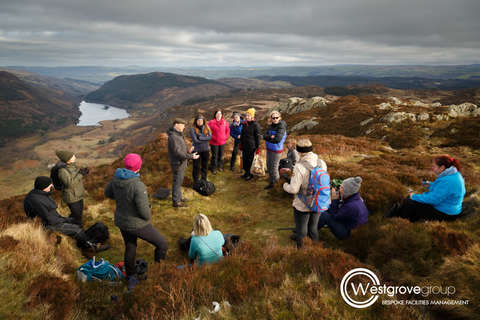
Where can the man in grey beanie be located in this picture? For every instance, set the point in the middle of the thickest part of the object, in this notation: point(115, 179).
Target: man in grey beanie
point(342, 219)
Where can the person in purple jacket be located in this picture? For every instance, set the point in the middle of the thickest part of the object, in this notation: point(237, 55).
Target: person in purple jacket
point(341, 218)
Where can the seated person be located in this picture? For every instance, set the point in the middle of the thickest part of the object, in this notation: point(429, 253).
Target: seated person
point(292, 153)
point(205, 244)
point(443, 200)
point(38, 203)
point(342, 218)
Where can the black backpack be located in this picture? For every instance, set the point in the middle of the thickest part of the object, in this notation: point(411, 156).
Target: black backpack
point(54, 176)
point(204, 187)
point(285, 164)
point(98, 233)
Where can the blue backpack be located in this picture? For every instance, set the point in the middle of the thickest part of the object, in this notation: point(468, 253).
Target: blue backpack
point(98, 271)
point(318, 193)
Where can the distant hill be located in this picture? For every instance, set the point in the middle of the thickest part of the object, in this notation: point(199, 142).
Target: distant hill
point(156, 91)
point(25, 110)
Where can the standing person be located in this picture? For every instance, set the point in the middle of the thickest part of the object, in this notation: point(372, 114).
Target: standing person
point(132, 213)
point(306, 220)
point(274, 139)
point(249, 142)
point(178, 154)
point(235, 133)
point(38, 203)
point(71, 178)
point(220, 132)
point(442, 201)
point(201, 134)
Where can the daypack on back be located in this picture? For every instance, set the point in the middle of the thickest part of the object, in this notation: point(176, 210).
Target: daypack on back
point(318, 193)
point(98, 271)
point(204, 187)
point(54, 176)
point(98, 233)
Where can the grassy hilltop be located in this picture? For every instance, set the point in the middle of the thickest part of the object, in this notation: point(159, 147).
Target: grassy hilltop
point(266, 277)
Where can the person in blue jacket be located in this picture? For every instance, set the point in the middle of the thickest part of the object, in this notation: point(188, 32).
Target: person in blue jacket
point(201, 135)
point(235, 133)
point(442, 201)
point(342, 217)
point(206, 244)
point(274, 139)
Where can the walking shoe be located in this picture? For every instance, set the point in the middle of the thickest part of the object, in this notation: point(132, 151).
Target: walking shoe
point(249, 177)
point(220, 169)
point(293, 236)
point(232, 169)
point(100, 247)
point(179, 205)
point(269, 186)
point(184, 200)
point(214, 171)
point(243, 176)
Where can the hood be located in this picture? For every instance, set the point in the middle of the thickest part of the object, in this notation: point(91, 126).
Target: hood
point(125, 174)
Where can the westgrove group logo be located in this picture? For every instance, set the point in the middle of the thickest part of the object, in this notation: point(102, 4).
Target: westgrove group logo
point(360, 295)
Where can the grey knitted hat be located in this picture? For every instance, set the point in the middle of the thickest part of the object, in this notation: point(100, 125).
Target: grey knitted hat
point(351, 186)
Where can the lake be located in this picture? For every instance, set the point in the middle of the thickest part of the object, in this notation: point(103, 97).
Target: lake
point(93, 113)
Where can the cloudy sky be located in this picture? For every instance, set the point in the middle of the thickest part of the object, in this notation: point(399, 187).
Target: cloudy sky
point(184, 33)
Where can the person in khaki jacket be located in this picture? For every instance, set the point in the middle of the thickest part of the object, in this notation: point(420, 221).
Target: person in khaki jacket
point(71, 179)
point(306, 220)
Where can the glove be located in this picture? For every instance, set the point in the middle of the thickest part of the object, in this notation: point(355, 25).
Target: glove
point(286, 177)
point(240, 147)
point(257, 151)
point(84, 171)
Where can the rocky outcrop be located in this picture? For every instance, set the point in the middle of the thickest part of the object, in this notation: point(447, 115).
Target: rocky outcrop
point(366, 121)
point(398, 117)
point(308, 124)
point(296, 105)
point(423, 117)
point(463, 110)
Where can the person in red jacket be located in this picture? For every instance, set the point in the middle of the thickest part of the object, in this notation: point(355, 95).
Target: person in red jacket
point(220, 132)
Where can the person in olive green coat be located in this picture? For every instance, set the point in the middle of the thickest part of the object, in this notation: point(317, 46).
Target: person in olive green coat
point(71, 179)
point(132, 213)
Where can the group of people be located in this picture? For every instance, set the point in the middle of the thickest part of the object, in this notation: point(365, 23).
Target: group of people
point(443, 200)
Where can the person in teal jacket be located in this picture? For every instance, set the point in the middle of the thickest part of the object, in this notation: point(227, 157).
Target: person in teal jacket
point(442, 201)
point(206, 244)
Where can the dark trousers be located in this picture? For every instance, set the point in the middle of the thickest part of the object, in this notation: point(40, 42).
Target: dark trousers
point(149, 234)
point(74, 231)
point(338, 229)
point(234, 154)
point(76, 211)
point(306, 225)
point(248, 155)
point(217, 156)
point(177, 185)
point(415, 211)
point(203, 161)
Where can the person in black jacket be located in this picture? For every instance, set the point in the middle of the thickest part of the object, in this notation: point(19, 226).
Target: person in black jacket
point(249, 142)
point(38, 203)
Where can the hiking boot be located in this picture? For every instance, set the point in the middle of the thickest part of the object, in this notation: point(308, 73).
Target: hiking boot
point(250, 177)
point(214, 171)
point(184, 200)
point(179, 205)
point(232, 168)
point(100, 247)
point(293, 236)
point(220, 169)
point(269, 186)
point(243, 176)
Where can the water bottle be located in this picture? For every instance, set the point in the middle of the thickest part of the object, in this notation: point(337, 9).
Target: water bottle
point(310, 199)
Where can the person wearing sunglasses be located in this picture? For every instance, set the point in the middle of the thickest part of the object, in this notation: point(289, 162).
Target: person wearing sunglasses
point(274, 139)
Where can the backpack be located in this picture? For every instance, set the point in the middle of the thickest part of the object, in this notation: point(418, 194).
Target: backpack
point(204, 187)
point(54, 176)
point(285, 165)
point(318, 194)
point(97, 233)
point(98, 271)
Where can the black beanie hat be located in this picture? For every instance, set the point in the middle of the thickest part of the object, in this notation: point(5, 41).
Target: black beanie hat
point(42, 182)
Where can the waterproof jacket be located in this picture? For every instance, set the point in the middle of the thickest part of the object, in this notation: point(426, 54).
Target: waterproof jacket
point(235, 131)
point(352, 213)
point(299, 181)
point(220, 131)
point(202, 252)
point(445, 193)
point(130, 194)
point(279, 131)
point(177, 150)
point(38, 203)
point(200, 140)
point(293, 156)
point(72, 182)
point(250, 137)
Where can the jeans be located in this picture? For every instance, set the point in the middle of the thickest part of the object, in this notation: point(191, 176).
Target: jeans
point(203, 161)
point(305, 224)
point(177, 185)
point(273, 160)
point(338, 229)
point(76, 211)
point(234, 154)
point(415, 211)
point(217, 156)
point(74, 231)
point(149, 234)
